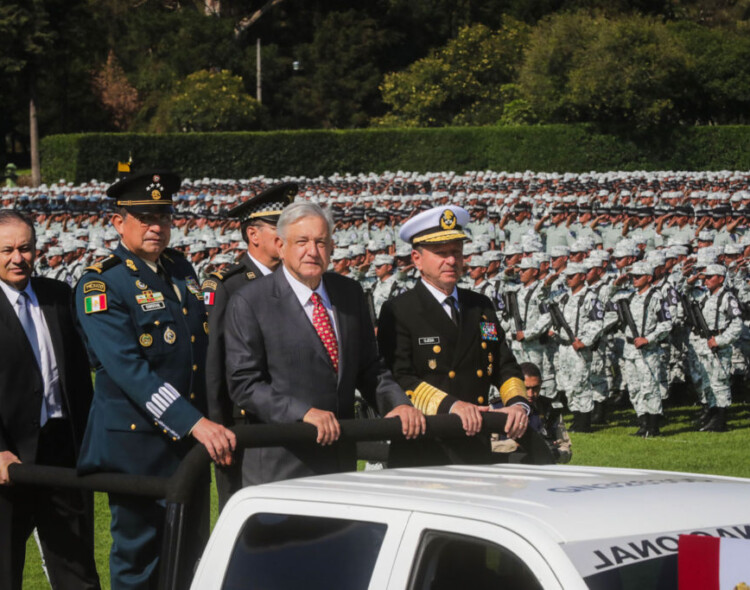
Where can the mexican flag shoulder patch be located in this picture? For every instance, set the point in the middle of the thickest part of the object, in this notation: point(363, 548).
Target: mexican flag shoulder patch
point(95, 303)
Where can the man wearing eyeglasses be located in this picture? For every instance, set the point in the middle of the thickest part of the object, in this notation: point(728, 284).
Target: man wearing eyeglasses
point(142, 315)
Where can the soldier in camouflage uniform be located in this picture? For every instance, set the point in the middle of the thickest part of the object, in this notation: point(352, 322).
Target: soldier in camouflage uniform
point(644, 356)
point(577, 328)
point(723, 317)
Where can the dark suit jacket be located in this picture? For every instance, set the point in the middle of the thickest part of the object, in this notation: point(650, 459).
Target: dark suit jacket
point(278, 368)
point(21, 386)
point(421, 344)
point(223, 285)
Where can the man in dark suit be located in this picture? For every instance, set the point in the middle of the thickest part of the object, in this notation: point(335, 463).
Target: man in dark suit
point(45, 393)
point(444, 344)
point(142, 315)
point(299, 342)
point(258, 217)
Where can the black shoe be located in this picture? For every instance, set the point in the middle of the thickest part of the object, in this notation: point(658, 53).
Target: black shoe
point(704, 416)
point(584, 422)
point(652, 426)
point(717, 423)
point(574, 425)
point(597, 416)
point(643, 426)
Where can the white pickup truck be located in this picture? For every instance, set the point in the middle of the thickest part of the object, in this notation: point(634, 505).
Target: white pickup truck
point(474, 528)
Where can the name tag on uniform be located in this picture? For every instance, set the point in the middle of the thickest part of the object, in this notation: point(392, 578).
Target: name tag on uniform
point(429, 340)
point(489, 330)
point(153, 306)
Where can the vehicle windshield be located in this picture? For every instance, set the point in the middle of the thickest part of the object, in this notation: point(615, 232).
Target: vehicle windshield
point(646, 562)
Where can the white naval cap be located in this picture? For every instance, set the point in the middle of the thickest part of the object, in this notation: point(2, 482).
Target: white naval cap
point(436, 225)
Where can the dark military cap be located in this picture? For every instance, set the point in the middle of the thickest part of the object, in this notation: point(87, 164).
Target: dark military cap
point(146, 192)
point(267, 205)
point(720, 212)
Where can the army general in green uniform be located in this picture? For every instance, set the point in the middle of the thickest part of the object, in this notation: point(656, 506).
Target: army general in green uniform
point(143, 320)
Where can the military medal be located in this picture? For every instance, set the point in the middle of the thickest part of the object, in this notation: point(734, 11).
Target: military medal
point(169, 336)
point(146, 340)
point(141, 285)
point(432, 363)
point(489, 330)
point(205, 327)
point(149, 297)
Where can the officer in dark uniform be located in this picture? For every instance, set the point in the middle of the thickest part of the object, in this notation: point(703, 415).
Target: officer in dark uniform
point(258, 217)
point(142, 317)
point(444, 345)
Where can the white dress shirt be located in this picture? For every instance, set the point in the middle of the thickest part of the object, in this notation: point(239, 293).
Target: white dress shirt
point(442, 298)
point(261, 267)
point(304, 293)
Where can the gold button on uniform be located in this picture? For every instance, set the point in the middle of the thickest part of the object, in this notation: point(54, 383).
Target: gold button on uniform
point(165, 431)
point(242, 412)
point(192, 396)
point(184, 310)
point(132, 427)
point(174, 438)
point(195, 367)
point(480, 372)
point(484, 345)
point(192, 339)
point(436, 349)
point(451, 374)
point(480, 400)
point(157, 322)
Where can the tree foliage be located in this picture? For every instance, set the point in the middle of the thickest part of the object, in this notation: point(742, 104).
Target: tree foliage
point(593, 68)
point(459, 84)
point(208, 101)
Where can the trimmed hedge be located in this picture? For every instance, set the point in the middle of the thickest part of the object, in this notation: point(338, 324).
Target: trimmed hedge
point(561, 148)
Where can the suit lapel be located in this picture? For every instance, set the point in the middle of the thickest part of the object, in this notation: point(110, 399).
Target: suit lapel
point(10, 319)
point(470, 317)
point(338, 304)
point(298, 317)
point(435, 316)
point(51, 317)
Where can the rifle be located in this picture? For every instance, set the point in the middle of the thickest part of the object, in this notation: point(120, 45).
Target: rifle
point(701, 327)
point(512, 304)
point(627, 316)
point(559, 321)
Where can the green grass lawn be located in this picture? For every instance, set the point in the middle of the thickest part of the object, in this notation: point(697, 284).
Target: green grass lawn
point(681, 449)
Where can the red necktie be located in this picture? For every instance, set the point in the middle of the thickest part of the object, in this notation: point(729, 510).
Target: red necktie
point(322, 324)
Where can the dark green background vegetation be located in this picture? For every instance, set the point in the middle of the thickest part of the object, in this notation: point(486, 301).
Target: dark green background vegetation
point(570, 148)
point(179, 66)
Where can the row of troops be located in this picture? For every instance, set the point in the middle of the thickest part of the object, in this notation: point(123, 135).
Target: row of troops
point(648, 324)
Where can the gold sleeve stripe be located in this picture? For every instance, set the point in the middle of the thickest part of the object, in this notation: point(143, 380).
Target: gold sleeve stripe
point(427, 398)
point(511, 388)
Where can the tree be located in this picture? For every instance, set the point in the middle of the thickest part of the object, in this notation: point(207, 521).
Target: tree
point(25, 35)
point(459, 84)
point(593, 68)
point(208, 101)
point(116, 93)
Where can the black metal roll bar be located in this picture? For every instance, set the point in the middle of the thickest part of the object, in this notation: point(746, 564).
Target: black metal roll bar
point(178, 489)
